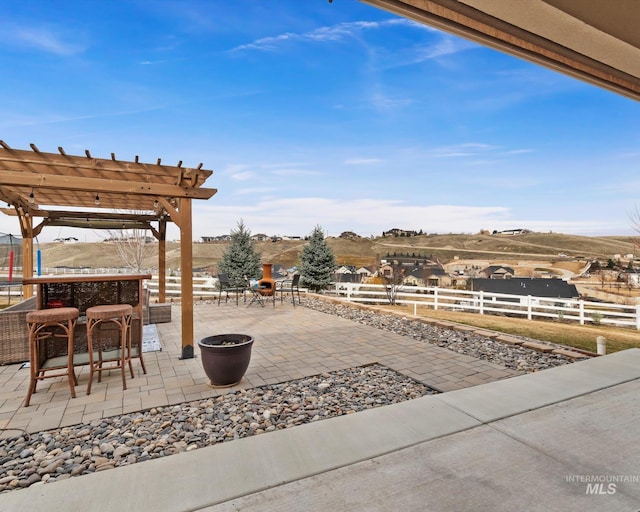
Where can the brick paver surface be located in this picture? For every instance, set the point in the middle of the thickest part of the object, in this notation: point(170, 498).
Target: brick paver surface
point(290, 343)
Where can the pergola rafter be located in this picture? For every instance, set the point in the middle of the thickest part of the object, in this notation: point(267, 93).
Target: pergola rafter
point(89, 192)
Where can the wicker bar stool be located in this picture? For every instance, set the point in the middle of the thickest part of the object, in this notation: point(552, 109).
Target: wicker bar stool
point(117, 356)
point(44, 325)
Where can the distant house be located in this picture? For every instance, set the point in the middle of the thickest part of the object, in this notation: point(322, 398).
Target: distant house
point(630, 278)
point(525, 286)
point(399, 232)
point(428, 276)
point(346, 269)
point(498, 272)
point(518, 231)
point(213, 239)
point(364, 272)
point(386, 270)
point(349, 235)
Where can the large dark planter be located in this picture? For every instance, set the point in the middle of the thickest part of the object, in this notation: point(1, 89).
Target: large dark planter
point(225, 357)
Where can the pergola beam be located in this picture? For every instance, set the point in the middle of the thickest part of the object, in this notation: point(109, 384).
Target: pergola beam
point(68, 214)
point(29, 159)
point(97, 223)
point(74, 183)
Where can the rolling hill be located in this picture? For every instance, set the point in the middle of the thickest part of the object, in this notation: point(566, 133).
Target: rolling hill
point(366, 251)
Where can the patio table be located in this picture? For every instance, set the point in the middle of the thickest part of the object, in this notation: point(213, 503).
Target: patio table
point(256, 296)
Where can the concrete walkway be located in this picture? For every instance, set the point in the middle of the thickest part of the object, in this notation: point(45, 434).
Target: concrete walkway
point(543, 441)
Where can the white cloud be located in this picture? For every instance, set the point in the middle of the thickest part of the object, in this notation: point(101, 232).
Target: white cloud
point(518, 151)
point(238, 172)
point(257, 191)
point(295, 172)
point(383, 101)
point(244, 176)
point(364, 216)
point(363, 161)
point(46, 39)
point(444, 47)
point(265, 213)
point(367, 216)
point(461, 150)
point(331, 33)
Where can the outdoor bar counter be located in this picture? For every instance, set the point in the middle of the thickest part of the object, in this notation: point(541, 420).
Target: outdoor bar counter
point(83, 291)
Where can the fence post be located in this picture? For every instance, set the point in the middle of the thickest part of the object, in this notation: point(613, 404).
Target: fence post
point(581, 304)
point(638, 317)
point(529, 309)
point(435, 299)
point(481, 302)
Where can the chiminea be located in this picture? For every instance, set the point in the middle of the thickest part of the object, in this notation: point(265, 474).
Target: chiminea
point(267, 283)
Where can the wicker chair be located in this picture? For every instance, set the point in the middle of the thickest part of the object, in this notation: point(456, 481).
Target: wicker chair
point(14, 332)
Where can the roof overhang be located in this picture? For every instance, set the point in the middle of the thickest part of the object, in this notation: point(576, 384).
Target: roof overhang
point(592, 40)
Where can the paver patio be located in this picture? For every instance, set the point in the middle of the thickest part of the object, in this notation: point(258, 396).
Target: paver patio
point(290, 343)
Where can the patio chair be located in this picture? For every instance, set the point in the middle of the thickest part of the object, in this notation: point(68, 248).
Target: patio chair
point(14, 332)
point(291, 286)
point(226, 287)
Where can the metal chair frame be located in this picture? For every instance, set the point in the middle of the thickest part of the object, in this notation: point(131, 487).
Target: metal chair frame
point(290, 286)
point(225, 286)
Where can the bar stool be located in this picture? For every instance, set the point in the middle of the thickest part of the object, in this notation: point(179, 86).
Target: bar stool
point(118, 356)
point(46, 324)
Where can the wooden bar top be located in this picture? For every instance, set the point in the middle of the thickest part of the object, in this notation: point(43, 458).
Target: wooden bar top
point(80, 278)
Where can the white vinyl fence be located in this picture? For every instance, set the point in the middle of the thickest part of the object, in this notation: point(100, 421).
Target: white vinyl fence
point(525, 306)
point(203, 287)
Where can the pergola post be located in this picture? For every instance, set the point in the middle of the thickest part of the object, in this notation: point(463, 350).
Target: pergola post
point(26, 227)
point(186, 274)
point(162, 260)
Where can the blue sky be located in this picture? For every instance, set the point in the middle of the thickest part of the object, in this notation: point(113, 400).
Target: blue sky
point(309, 113)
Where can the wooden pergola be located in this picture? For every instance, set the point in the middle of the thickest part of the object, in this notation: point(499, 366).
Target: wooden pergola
point(49, 189)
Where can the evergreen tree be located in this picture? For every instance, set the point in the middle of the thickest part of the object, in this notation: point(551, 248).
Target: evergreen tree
point(240, 260)
point(317, 262)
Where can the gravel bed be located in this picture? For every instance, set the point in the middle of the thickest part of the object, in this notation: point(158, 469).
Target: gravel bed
point(107, 443)
point(53, 455)
point(510, 356)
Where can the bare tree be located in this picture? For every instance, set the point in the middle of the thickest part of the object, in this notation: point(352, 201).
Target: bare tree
point(132, 245)
point(393, 282)
point(634, 219)
point(602, 275)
